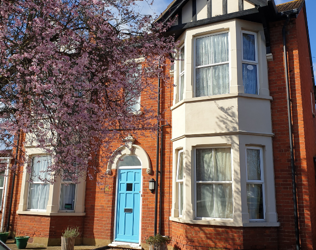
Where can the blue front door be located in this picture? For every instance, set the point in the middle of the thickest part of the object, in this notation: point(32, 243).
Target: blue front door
point(128, 205)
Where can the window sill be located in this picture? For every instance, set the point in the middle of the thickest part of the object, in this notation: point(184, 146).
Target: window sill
point(227, 222)
point(262, 224)
point(217, 97)
point(39, 213)
point(215, 222)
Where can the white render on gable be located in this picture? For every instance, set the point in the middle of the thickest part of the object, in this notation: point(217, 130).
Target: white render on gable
point(216, 7)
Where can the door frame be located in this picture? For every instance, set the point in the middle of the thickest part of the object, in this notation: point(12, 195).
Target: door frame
point(140, 205)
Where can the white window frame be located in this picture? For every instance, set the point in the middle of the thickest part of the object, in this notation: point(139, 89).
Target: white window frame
point(38, 182)
point(181, 73)
point(256, 62)
point(257, 182)
point(213, 182)
point(211, 65)
point(179, 182)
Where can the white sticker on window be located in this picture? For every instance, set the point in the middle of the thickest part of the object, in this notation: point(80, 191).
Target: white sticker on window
point(250, 67)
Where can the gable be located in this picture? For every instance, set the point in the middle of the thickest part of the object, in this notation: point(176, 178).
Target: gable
point(195, 10)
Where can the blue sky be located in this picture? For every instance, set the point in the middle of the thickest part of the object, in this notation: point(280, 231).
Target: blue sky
point(159, 6)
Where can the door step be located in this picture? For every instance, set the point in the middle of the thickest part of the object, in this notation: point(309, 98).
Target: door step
point(123, 245)
point(118, 246)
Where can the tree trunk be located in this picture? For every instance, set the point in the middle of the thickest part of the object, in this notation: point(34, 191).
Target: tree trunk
point(67, 243)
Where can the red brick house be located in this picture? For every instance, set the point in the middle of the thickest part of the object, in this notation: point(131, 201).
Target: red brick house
point(231, 172)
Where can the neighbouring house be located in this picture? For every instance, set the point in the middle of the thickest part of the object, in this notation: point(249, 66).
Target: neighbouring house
point(235, 165)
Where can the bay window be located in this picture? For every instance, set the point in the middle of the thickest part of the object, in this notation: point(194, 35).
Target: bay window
point(250, 62)
point(212, 65)
point(180, 181)
point(214, 197)
point(38, 189)
point(255, 184)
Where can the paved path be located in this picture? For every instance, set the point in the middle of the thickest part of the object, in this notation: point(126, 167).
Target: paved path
point(12, 246)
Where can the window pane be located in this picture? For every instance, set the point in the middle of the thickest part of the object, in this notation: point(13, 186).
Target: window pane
point(214, 200)
point(182, 59)
point(212, 80)
point(253, 164)
point(249, 76)
point(180, 167)
point(38, 196)
point(255, 201)
point(1, 179)
point(181, 88)
point(249, 49)
point(180, 198)
point(39, 168)
point(220, 79)
point(212, 49)
point(133, 101)
point(129, 160)
point(203, 82)
point(67, 197)
point(1, 192)
point(209, 168)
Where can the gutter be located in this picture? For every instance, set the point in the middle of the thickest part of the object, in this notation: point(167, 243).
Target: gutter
point(289, 102)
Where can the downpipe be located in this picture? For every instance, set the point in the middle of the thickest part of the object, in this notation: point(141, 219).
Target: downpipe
point(157, 157)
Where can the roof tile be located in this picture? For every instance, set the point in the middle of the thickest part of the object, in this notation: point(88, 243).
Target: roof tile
point(296, 4)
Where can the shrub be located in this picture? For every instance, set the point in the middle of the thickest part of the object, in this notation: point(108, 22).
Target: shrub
point(71, 232)
point(158, 240)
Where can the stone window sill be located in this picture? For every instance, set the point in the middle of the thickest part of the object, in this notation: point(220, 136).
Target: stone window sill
point(227, 222)
point(220, 97)
point(39, 213)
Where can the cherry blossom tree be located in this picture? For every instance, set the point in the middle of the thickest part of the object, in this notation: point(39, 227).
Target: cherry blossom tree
point(70, 76)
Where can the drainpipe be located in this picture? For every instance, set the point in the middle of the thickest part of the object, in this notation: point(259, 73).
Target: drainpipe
point(13, 180)
point(157, 157)
point(297, 233)
point(5, 194)
point(161, 179)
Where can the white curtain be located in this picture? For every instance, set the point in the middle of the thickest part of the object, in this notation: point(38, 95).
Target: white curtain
point(38, 196)
point(39, 191)
point(180, 167)
point(214, 200)
point(67, 197)
point(255, 201)
point(212, 80)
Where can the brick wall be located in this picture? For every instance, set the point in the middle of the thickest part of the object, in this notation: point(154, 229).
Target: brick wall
point(303, 132)
point(191, 237)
